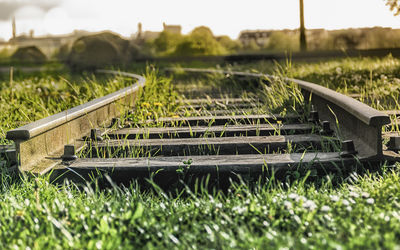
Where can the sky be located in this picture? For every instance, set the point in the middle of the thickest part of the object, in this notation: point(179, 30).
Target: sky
point(224, 17)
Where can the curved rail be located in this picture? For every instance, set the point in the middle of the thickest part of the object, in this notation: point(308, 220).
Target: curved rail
point(47, 137)
point(355, 120)
point(39, 145)
point(360, 110)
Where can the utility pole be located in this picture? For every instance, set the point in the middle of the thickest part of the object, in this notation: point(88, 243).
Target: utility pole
point(303, 42)
point(14, 28)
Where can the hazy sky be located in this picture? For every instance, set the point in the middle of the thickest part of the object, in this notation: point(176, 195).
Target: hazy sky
point(222, 16)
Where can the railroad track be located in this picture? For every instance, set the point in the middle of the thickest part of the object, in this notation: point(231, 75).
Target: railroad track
point(338, 132)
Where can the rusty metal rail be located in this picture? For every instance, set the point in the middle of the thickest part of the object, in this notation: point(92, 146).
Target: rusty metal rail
point(354, 120)
point(40, 144)
point(343, 132)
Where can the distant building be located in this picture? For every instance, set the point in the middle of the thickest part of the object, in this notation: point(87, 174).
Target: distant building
point(175, 29)
point(151, 35)
point(260, 37)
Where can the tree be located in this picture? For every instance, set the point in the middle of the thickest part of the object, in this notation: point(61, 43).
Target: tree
point(348, 39)
point(200, 42)
point(279, 41)
point(394, 6)
point(166, 42)
point(252, 45)
point(230, 45)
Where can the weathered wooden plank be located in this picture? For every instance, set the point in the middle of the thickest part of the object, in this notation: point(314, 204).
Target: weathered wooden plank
point(220, 106)
point(218, 131)
point(225, 120)
point(8, 153)
point(392, 112)
point(225, 112)
point(209, 164)
point(5, 148)
point(217, 100)
point(210, 146)
point(208, 171)
point(390, 133)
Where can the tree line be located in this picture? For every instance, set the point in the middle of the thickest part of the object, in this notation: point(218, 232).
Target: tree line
point(201, 41)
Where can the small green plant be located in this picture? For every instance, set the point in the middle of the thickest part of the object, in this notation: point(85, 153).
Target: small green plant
point(183, 169)
point(188, 163)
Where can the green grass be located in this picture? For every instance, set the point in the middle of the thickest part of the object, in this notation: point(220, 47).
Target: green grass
point(25, 99)
point(360, 210)
point(157, 99)
point(375, 81)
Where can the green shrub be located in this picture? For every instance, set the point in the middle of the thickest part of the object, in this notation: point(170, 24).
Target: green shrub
point(166, 42)
point(230, 45)
point(200, 42)
point(282, 42)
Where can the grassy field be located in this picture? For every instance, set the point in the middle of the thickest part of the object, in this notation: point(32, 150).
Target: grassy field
point(375, 81)
point(360, 210)
point(29, 97)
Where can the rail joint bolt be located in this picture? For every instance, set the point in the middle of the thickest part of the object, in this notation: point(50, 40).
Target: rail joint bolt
point(348, 149)
point(69, 153)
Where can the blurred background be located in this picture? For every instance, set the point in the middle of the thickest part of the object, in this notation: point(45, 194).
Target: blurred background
point(86, 33)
